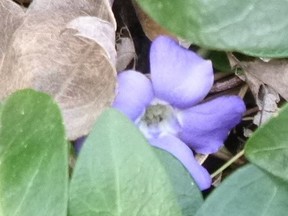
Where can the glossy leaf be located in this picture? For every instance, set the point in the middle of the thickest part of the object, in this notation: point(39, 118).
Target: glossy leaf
point(249, 191)
point(119, 173)
point(33, 157)
point(253, 27)
point(181, 182)
point(268, 147)
point(219, 60)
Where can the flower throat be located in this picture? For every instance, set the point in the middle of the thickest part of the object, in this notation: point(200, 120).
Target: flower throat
point(157, 113)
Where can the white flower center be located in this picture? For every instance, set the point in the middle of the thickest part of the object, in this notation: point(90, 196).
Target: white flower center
point(158, 118)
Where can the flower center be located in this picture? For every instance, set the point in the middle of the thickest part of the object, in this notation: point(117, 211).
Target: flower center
point(158, 118)
point(157, 113)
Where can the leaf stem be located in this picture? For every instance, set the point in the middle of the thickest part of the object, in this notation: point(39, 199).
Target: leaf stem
point(228, 163)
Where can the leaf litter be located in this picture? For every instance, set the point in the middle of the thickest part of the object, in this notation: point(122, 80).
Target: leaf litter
point(267, 81)
point(52, 48)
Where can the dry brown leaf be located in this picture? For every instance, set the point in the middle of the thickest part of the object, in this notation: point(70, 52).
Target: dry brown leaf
point(267, 101)
point(46, 55)
point(273, 73)
point(74, 8)
point(266, 96)
point(11, 16)
point(125, 52)
point(101, 31)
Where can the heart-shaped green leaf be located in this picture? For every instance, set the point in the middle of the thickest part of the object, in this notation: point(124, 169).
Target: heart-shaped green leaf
point(268, 147)
point(249, 191)
point(119, 173)
point(33, 157)
point(253, 27)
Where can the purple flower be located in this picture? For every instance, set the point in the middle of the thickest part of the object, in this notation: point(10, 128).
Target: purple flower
point(167, 110)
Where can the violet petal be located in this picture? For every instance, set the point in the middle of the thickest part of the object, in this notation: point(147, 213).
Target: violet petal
point(78, 143)
point(184, 154)
point(206, 126)
point(178, 75)
point(134, 93)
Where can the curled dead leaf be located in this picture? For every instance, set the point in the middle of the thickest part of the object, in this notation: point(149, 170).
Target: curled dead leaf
point(11, 17)
point(67, 63)
point(101, 31)
point(266, 80)
point(74, 8)
point(125, 52)
point(273, 73)
point(267, 101)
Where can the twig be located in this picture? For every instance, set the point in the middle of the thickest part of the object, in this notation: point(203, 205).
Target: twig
point(228, 163)
point(225, 84)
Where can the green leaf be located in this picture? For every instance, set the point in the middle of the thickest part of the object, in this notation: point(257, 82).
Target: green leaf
point(257, 28)
point(33, 157)
point(181, 182)
point(219, 60)
point(119, 173)
point(249, 191)
point(268, 147)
